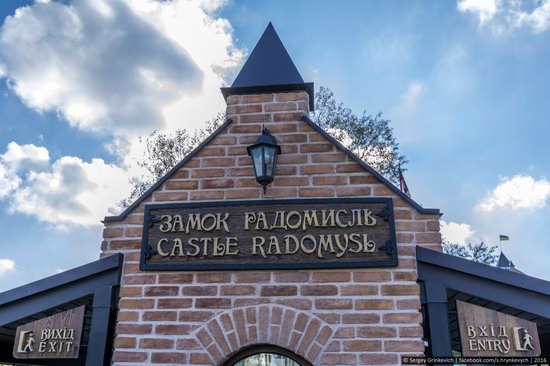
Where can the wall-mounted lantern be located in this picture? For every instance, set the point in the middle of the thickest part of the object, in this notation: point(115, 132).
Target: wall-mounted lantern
point(264, 154)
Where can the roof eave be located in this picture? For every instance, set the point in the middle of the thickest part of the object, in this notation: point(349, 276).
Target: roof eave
point(113, 262)
point(506, 277)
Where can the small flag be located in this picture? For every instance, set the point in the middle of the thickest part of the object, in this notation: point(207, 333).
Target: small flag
point(402, 184)
point(503, 237)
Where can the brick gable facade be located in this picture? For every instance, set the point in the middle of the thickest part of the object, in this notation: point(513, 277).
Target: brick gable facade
point(329, 317)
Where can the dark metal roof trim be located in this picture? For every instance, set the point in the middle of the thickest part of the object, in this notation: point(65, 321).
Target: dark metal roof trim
point(189, 156)
point(371, 170)
point(63, 278)
point(266, 89)
point(499, 275)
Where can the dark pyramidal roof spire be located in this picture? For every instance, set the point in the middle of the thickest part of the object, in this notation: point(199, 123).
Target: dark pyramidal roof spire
point(268, 64)
point(269, 68)
point(504, 262)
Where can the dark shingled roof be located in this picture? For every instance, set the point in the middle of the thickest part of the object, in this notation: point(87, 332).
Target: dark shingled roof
point(268, 69)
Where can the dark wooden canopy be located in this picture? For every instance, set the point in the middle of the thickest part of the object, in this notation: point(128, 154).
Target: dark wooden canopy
point(94, 285)
point(445, 278)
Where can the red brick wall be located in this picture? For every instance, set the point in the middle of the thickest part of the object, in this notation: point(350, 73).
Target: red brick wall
point(330, 317)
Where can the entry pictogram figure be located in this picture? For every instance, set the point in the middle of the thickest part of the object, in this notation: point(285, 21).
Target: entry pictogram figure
point(527, 338)
point(29, 344)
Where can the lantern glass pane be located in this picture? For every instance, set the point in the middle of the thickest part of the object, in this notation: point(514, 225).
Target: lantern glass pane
point(269, 153)
point(257, 160)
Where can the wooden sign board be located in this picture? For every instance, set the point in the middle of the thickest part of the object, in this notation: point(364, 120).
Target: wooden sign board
point(55, 337)
point(270, 234)
point(489, 333)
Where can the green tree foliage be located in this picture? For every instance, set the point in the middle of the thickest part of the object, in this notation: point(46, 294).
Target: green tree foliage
point(480, 252)
point(163, 152)
point(369, 136)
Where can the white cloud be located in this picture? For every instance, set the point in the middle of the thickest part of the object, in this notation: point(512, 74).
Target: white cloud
point(502, 16)
point(25, 156)
point(9, 181)
point(518, 192)
point(18, 160)
point(209, 40)
point(411, 94)
point(484, 9)
point(123, 66)
point(453, 232)
point(68, 192)
point(538, 19)
point(6, 265)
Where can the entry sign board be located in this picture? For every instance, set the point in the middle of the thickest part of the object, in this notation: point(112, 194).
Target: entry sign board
point(269, 234)
point(489, 333)
point(55, 337)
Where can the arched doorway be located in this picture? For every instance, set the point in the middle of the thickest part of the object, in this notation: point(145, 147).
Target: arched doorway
point(266, 355)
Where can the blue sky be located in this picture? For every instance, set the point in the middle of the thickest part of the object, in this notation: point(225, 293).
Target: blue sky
point(465, 83)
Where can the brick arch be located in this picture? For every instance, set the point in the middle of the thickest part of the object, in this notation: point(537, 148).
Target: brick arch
point(231, 331)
